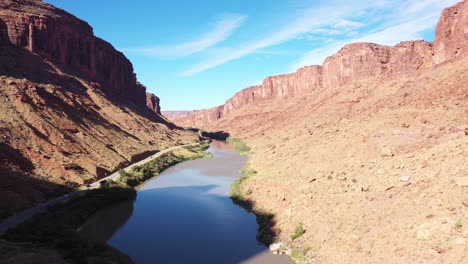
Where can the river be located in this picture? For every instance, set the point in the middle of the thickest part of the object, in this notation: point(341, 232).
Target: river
point(185, 216)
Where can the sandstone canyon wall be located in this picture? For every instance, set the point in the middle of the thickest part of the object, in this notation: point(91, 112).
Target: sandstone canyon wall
point(352, 63)
point(451, 34)
point(152, 102)
point(71, 108)
point(371, 163)
point(66, 40)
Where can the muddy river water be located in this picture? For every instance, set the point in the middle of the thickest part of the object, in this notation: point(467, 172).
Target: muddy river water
point(185, 216)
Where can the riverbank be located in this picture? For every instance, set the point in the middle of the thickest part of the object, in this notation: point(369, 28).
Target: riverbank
point(154, 228)
point(268, 232)
point(52, 235)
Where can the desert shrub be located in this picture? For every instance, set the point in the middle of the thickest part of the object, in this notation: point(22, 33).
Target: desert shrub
point(241, 147)
point(299, 231)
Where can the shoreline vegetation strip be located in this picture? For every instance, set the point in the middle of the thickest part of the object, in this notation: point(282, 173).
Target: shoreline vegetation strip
point(56, 228)
point(266, 234)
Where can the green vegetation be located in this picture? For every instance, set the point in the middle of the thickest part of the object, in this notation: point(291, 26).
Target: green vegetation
point(236, 192)
point(298, 256)
point(299, 231)
point(56, 228)
point(139, 174)
point(265, 220)
point(458, 225)
point(241, 147)
point(108, 184)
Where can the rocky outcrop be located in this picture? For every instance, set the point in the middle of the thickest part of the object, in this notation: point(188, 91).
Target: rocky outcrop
point(152, 102)
point(68, 41)
point(173, 115)
point(451, 34)
point(201, 118)
point(302, 82)
point(358, 61)
point(354, 62)
point(409, 57)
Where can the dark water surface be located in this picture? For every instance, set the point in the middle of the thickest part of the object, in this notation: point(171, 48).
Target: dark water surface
point(186, 216)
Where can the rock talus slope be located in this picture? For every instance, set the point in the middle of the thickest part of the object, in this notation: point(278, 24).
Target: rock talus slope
point(372, 160)
point(71, 108)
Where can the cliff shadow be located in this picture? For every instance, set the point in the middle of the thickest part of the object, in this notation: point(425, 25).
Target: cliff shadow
point(102, 225)
point(216, 135)
point(18, 189)
point(142, 110)
point(266, 233)
point(56, 226)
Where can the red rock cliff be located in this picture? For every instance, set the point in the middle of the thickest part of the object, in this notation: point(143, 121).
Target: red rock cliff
point(358, 61)
point(352, 63)
point(66, 40)
point(451, 33)
point(152, 102)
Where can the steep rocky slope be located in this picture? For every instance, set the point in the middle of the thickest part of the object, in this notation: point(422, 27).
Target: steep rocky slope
point(71, 108)
point(368, 152)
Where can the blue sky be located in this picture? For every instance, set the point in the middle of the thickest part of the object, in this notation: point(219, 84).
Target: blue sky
point(196, 54)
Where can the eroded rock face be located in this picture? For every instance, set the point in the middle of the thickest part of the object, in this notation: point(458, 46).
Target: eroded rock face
point(66, 40)
point(358, 61)
point(152, 101)
point(71, 109)
point(354, 62)
point(451, 39)
point(302, 82)
point(409, 57)
point(201, 118)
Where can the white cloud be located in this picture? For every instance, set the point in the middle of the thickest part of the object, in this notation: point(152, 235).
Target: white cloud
point(410, 30)
point(410, 20)
point(334, 23)
point(309, 20)
point(223, 30)
point(348, 24)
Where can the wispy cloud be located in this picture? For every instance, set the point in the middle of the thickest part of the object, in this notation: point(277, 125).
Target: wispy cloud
point(332, 24)
point(410, 20)
point(410, 30)
point(309, 20)
point(222, 31)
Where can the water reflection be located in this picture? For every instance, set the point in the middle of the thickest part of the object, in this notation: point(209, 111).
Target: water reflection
point(186, 216)
point(102, 226)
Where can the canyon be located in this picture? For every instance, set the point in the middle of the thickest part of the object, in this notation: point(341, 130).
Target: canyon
point(72, 110)
point(362, 159)
point(365, 153)
point(354, 62)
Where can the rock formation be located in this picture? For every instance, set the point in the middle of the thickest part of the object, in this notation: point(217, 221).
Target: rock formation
point(152, 102)
point(175, 114)
point(354, 62)
point(371, 161)
point(451, 34)
point(68, 41)
point(358, 61)
point(71, 108)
